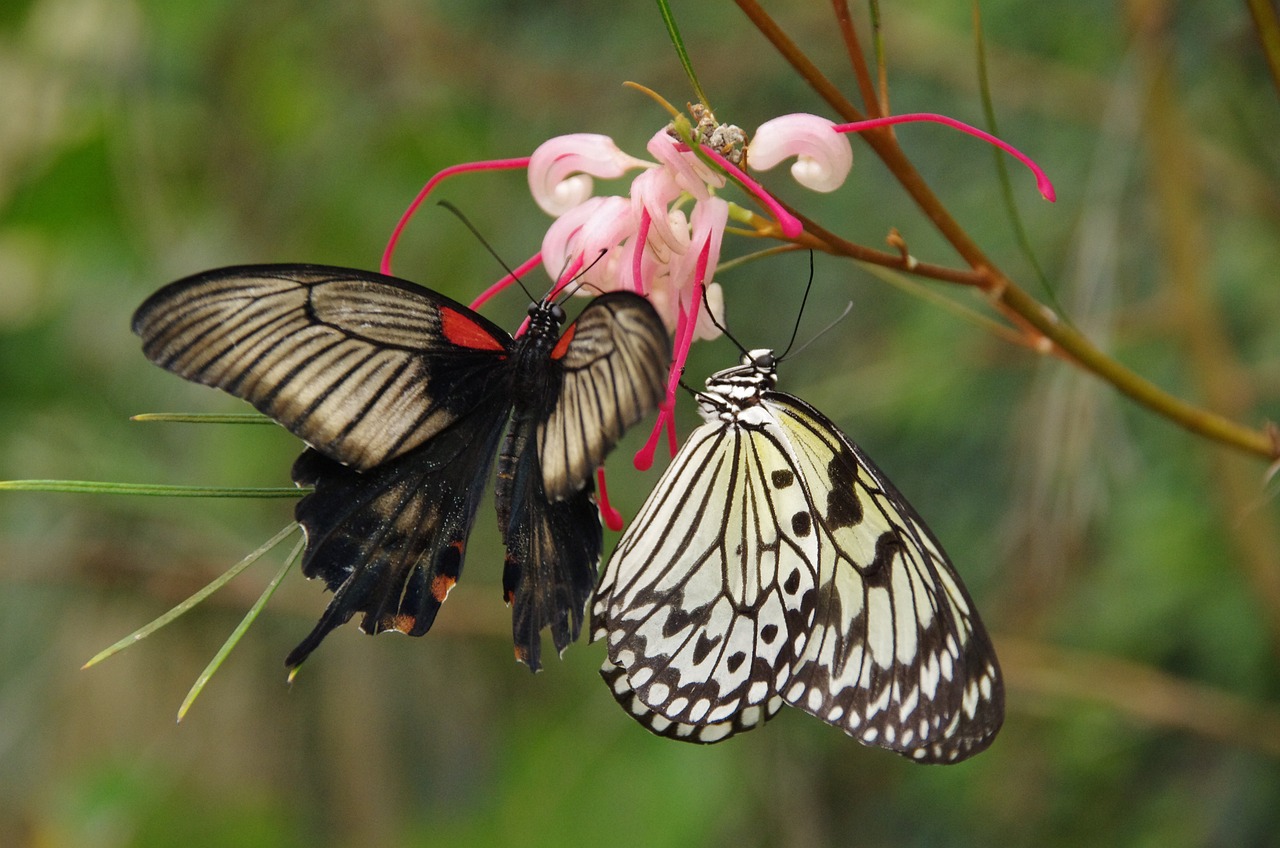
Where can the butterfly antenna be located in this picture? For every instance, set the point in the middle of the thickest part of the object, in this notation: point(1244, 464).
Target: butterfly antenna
point(581, 283)
point(472, 227)
point(808, 287)
point(848, 307)
point(721, 327)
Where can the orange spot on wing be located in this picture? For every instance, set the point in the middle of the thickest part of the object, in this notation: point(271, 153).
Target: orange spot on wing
point(464, 332)
point(440, 587)
point(403, 622)
point(563, 345)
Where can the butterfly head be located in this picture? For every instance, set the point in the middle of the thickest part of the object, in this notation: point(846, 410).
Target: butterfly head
point(545, 319)
point(732, 392)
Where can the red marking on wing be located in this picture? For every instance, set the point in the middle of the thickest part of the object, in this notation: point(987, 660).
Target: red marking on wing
point(462, 331)
point(403, 622)
point(563, 345)
point(440, 587)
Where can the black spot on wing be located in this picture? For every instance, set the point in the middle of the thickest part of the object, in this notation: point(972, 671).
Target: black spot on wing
point(880, 571)
point(844, 509)
point(782, 478)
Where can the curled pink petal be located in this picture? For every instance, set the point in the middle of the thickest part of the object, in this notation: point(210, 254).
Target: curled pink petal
point(709, 322)
point(823, 158)
point(1042, 179)
point(560, 170)
point(684, 168)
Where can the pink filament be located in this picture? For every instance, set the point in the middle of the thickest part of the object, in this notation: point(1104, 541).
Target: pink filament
point(612, 518)
point(1042, 179)
point(788, 223)
point(685, 325)
point(524, 268)
point(642, 237)
point(490, 165)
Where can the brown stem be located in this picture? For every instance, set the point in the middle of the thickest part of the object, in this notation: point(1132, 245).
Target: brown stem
point(1010, 298)
point(1139, 691)
point(1214, 366)
point(856, 58)
point(1267, 23)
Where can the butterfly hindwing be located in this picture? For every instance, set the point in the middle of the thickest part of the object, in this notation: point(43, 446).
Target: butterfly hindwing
point(613, 363)
point(385, 541)
point(361, 366)
point(602, 375)
point(743, 720)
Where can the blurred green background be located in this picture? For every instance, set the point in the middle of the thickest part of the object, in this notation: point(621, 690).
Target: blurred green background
point(1126, 568)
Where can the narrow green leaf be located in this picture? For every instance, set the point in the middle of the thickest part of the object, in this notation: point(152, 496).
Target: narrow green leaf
point(203, 417)
point(93, 487)
point(678, 42)
point(241, 628)
point(216, 584)
point(1002, 169)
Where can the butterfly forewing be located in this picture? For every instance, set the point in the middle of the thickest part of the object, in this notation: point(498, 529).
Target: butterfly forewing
point(361, 366)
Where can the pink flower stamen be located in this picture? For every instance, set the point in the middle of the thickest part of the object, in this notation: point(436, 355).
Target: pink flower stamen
point(490, 165)
point(1042, 179)
point(642, 238)
point(685, 325)
point(611, 517)
point(788, 223)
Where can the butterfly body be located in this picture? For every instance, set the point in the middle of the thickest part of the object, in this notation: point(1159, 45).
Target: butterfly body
point(403, 396)
point(775, 564)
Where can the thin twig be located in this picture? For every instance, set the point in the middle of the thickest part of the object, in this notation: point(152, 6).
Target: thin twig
point(856, 58)
point(1006, 295)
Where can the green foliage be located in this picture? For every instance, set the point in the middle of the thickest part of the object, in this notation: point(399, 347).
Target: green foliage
point(143, 141)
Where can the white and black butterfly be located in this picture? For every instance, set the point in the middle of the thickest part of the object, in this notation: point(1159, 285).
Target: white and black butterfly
point(775, 563)
point(403, 395)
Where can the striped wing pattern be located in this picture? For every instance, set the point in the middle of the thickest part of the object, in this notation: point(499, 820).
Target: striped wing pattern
point(361, 366)
point(709, 593)
point(614, 371)
point(881, 638)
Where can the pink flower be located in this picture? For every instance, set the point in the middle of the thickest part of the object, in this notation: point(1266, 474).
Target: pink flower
point(662, 239)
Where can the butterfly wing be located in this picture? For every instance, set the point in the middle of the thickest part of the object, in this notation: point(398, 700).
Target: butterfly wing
point(741, 721)
point(362, 366)
point(573, 402)
point(897, 656)
point(613, 360)
point(706, 601)
point(390, 542)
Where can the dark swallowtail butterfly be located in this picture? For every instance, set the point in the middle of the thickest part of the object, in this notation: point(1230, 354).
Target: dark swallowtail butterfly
point(402, 395)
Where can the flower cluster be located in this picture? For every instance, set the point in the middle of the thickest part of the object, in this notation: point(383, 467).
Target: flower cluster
point(662, 239)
